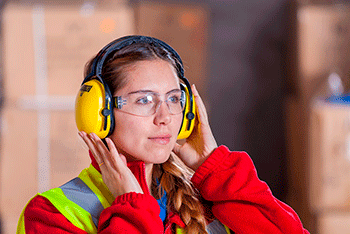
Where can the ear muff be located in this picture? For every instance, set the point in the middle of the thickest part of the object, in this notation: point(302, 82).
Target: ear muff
point(93, 110)
point(94, 107)
point(188, 115)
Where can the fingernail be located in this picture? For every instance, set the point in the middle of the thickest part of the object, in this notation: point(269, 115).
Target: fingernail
point(195, 88)
point(92, 136)
point(80, 134)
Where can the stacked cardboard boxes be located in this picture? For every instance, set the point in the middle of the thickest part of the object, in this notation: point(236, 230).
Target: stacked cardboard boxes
point(318, 130)
point(45, 48)
point(330, 157)
point(329, 153)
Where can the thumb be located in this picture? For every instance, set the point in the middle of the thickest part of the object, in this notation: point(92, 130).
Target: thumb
point(177, 148)
point(123, 158)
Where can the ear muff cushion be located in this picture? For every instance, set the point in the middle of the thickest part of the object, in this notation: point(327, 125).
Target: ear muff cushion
point(186, 130)
point(89, 106)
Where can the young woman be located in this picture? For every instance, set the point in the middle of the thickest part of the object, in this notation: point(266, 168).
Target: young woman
point(141, 180)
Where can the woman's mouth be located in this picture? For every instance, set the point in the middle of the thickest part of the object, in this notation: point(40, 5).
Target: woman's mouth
point(162, 139)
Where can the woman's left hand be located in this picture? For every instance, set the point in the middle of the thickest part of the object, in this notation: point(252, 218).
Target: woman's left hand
point(201, 142)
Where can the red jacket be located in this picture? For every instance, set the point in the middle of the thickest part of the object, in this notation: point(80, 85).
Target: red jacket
point(226, 180)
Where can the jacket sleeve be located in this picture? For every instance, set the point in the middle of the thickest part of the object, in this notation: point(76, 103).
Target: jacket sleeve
point(240, 200)
point(130, 213)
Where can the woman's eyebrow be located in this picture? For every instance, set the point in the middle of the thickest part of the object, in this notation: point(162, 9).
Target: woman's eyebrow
point(151, 91)
point(142, 91)
point(173, 90)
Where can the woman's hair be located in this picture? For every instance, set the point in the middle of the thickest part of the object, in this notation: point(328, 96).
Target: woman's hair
point(117, 64)
point(173, 175)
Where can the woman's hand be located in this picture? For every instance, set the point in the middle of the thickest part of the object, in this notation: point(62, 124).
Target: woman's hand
point(115, 173)
point(201, 142)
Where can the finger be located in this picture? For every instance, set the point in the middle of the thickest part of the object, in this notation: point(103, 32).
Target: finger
point(202, 112)
point(92, 147)
point(103, 151)
point(110, 155)
point(123, 158)
point(114, 150)
point(117, 157)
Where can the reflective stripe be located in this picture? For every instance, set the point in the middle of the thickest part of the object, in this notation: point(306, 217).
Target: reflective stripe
point(93, 179)
point(78, 192)
point(82, 200)
point(216, 227)
point(73, 212)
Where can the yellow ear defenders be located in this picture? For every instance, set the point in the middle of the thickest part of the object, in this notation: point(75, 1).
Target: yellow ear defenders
point(188, 118)
point(94, 106)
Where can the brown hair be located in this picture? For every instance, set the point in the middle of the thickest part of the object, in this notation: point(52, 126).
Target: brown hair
point(173, 175)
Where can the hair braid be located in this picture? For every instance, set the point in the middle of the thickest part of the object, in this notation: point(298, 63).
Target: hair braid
point(182, 197)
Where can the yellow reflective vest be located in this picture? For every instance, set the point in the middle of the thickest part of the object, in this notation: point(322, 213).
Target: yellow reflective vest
point(82, 200)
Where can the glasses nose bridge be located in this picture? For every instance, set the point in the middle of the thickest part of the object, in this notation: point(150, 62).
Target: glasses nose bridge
point(159, 103)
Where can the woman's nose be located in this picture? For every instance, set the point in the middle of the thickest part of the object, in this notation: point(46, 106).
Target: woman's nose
point(162, 115)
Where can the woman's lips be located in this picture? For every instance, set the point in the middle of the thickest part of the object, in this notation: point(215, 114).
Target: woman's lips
point(162, 139)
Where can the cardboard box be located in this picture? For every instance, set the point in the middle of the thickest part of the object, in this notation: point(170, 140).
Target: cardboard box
point(329, 157)
point(185, 28)
point(45, 48)
point(323, 45)
point(323, 38)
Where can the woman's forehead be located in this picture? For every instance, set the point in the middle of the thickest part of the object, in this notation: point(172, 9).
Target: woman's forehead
point(155, 75)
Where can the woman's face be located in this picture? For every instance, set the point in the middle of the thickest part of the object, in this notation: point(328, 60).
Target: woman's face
point(148, 138)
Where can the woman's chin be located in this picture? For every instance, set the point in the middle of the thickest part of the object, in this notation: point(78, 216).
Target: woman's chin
point(153, 155)
point(159, 157)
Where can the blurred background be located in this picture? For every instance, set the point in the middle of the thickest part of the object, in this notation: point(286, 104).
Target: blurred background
point(264, 69)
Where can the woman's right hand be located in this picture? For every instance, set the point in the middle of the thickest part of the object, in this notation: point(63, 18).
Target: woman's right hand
point(115, 173)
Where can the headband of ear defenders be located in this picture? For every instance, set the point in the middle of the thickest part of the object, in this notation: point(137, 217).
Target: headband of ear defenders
point(109, 49)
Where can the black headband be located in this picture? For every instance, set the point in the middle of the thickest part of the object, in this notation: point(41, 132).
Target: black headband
point(97, 65)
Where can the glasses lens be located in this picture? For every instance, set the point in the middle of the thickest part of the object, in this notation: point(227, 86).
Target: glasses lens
point(147, 103)
point(142, 104)
point(176, 102)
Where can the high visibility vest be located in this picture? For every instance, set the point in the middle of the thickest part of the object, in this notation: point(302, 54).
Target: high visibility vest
point(82, 200)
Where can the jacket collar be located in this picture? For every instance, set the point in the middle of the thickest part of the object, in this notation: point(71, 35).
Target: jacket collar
point(138, 169)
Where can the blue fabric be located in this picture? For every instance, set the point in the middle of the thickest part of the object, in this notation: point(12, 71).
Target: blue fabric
point(162, 204)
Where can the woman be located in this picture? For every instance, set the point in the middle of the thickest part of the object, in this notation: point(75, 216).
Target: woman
point(141, 180)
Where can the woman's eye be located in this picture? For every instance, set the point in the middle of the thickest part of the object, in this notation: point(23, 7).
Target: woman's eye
point(145, 100)
point(174, 99)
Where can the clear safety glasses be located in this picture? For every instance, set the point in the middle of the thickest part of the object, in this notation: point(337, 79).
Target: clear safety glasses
point(145, 103)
